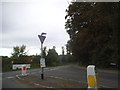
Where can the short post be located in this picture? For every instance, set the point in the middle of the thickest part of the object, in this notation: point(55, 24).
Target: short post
point(92, 77)
point(24, 68)
point(42, 74)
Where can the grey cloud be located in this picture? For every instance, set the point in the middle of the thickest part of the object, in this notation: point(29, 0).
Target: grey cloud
point(22, 22)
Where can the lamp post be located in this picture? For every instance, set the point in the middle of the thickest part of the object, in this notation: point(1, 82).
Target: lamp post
point(42, 60)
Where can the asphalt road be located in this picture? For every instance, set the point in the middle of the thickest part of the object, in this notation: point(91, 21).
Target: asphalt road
point(108, 79)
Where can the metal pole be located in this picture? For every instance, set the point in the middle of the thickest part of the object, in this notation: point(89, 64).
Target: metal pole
point(42, 70)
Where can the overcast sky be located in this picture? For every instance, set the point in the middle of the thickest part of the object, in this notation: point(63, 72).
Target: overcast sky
point(23, 21)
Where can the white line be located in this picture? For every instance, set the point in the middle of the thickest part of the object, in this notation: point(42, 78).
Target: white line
point(19, 77)
point(10, 77)
point(36, 84)
point(77, 81)
point(67, 79)
point(42, 85)
point(50, 69)
point(104, 85)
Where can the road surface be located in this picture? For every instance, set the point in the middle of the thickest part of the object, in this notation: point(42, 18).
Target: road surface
point(108, 79)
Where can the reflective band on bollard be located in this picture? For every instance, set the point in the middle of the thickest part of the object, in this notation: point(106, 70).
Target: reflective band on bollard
point(92, 77)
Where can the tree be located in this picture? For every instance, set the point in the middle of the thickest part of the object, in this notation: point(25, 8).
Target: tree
point(63, 50)
point(44, 52)
point(69, 47)
point(90, 28)
point(6, 63)
point(19, 51)
point(52, 57)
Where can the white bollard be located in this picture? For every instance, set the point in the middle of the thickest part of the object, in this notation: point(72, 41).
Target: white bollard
point(92, 77)
point(24, 69)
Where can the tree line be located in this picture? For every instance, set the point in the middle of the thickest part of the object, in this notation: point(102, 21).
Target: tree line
point(20, 56)
point(93, 30)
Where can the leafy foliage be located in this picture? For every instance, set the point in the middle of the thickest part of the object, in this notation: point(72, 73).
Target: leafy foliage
point(63, 52)
point(52, 57)
point(92, 30)
point(44, 52)
point(19, 51)
point(19, 56)
point(6, 64)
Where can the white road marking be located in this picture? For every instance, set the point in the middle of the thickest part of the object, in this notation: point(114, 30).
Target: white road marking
point(67, 79)
point(77, 81)
point(19, 77)
point(46, 69)
point(10, 77)
point(102, 85)
point(36, 84)
point(42, 85)
point(52, 69)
